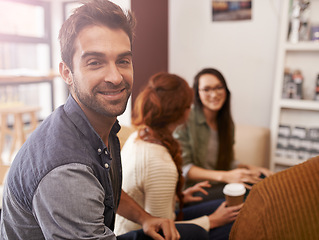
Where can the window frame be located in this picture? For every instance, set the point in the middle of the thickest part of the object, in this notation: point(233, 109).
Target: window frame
point(46, 39)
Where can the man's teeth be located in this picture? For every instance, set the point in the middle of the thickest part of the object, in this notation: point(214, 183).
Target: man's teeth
point(112, 93)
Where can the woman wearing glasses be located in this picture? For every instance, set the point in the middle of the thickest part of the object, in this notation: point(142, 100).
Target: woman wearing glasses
point(207, 138)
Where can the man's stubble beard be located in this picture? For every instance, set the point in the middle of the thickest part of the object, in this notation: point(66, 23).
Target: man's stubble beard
point(91, 103)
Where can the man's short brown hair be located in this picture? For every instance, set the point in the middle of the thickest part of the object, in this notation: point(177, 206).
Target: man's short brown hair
point(94, 12)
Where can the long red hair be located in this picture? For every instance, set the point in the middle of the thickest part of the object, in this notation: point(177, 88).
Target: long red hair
point(163, 102)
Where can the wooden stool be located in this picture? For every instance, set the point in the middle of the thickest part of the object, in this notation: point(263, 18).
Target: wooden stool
point(4, 169)
point(18, 131)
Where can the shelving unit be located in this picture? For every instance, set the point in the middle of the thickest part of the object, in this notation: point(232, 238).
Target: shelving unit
point(304, 56)
point(27, 80)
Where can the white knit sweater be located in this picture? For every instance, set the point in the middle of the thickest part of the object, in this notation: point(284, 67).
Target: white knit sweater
point(150, 177)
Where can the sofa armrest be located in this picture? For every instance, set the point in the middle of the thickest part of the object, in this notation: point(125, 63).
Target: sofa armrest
point(124, 133)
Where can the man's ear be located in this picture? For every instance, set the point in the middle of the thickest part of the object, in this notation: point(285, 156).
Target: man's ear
point(66, 73)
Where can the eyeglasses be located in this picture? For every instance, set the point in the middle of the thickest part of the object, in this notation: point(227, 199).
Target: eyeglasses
point(210, 90)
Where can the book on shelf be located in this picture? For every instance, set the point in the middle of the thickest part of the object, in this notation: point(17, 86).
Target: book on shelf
point(304, 143)
point(282, 140)
point(298, 135)
point(313, 134)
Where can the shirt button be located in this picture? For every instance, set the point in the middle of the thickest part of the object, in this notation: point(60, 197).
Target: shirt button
point(106, 165)
point(99, 150)
point(106, 152)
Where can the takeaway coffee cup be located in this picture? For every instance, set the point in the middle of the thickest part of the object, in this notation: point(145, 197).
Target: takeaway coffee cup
point(234, 194)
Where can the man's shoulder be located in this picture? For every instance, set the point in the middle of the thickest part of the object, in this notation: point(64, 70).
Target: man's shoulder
point(57, 141)
point(301, 175)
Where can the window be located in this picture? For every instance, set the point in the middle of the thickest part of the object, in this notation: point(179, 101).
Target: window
point(25, 50)
point(25, 39)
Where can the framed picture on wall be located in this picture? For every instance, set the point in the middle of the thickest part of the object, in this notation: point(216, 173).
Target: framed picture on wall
point(231, 10)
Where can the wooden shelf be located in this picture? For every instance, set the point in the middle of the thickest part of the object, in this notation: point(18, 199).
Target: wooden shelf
point(302, 46)
point(300, 104)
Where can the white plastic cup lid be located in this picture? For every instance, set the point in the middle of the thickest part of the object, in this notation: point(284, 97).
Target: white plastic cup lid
point(234, 189)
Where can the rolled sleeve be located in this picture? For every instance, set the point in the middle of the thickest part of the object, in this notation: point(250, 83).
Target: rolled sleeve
point(200, 221)
point(69, 204)
point(186, 169)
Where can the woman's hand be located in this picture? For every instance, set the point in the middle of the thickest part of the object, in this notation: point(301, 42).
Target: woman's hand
point(224, 215)
point(199, 187)
point(242, 175)
point(260, 170)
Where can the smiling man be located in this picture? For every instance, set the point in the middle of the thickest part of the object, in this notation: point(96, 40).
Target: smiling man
point(65, 182)
point(102, 77)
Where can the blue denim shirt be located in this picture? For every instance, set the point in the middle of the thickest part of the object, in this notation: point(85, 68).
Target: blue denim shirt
point(63, 183)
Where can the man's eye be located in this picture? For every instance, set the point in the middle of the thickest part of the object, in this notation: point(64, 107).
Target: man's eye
point(94, 63)
point(124, 61)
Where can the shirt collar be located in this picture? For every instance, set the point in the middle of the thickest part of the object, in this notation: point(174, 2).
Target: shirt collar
point(199, 115)
point(77, 116)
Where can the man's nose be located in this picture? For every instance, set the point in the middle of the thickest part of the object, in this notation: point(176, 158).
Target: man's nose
point(113, 74)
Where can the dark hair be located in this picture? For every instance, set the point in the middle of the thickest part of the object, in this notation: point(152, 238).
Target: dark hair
point(225, 122)
point(94, 12)
point(163, 101)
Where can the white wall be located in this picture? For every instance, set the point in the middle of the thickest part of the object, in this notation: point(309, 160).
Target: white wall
point(244, 51)
point(125, 118)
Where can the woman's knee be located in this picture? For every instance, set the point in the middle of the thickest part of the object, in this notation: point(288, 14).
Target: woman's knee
point(192, 232)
